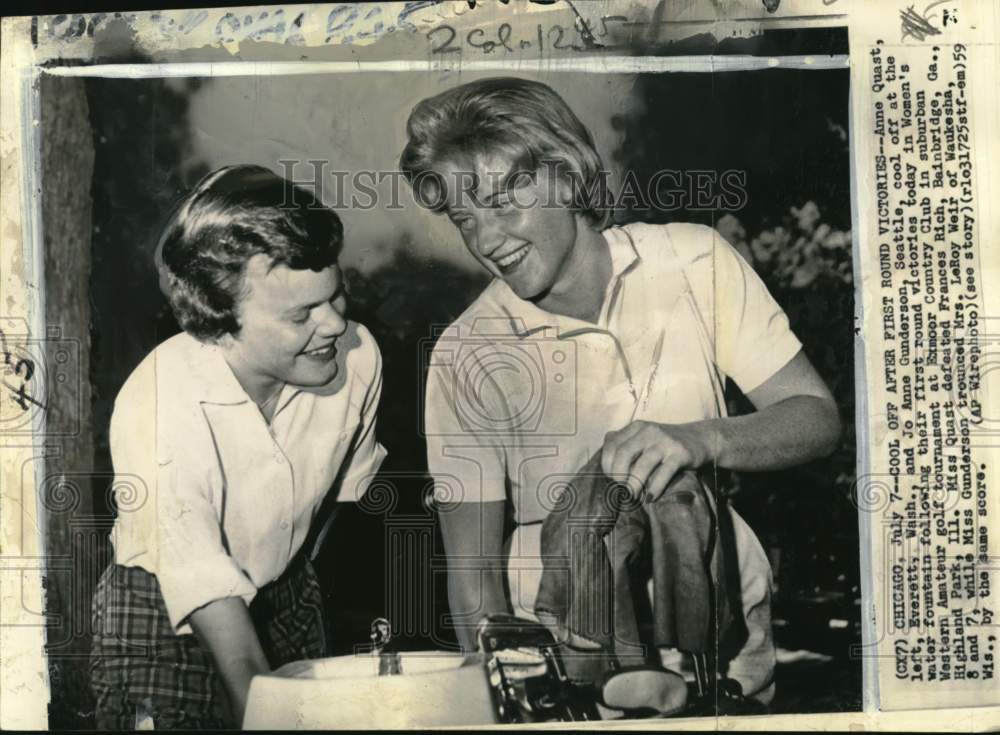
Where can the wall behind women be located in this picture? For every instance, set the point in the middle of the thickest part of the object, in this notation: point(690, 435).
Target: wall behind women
point(356, 122)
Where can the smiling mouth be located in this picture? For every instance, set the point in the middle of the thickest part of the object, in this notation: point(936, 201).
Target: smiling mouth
point(322, 352)
point(509, 262)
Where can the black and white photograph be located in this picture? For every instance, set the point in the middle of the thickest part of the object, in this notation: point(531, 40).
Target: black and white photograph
point(549, 369)
point(461, 387)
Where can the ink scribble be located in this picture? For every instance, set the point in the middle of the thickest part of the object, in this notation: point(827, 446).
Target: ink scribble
point(24, 369)
point(916, 25)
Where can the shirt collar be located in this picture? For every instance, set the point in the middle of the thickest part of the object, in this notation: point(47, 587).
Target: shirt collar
point(213, 381)
point(623, 253)
point(527, 319)
point(210, 377)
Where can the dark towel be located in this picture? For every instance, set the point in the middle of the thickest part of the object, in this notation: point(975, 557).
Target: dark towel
point(591, 587)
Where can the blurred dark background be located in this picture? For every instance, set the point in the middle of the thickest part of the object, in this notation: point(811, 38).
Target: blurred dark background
point(786, 129)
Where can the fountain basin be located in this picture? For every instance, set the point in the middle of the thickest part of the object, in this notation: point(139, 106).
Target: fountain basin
point(435, 689)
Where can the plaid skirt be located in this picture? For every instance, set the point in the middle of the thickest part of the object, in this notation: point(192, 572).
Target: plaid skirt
point(139, 665)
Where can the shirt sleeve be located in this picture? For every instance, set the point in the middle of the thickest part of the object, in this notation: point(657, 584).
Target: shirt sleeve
point(465, 453)
point(753, 339)
point(191, 562)
point(366, 453)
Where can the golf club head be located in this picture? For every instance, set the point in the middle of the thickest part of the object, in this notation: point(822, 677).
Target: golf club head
point(504, 631)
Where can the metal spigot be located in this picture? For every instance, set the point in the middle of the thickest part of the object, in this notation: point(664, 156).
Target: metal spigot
point(389, 662)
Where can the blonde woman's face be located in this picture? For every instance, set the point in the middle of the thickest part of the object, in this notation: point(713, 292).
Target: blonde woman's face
point(290, 321)
point(520, 228)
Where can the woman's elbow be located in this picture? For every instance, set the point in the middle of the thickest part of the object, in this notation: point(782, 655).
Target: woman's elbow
point(830, 428)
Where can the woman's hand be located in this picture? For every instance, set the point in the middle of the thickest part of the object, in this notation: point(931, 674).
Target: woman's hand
point(796, 421)
point(646, 455)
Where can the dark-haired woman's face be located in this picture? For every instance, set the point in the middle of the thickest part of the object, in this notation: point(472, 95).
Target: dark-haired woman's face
point(524, 233)
point(289, 324)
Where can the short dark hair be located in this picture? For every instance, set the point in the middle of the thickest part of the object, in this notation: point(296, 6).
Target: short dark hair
point(234, 213)
point(525, 121)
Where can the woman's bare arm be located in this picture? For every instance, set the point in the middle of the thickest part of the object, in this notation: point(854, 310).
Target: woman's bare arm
point(796, 421)
point(473, 542)
point(224, 627)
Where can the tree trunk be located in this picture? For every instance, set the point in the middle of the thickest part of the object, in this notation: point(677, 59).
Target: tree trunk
point(74, 538)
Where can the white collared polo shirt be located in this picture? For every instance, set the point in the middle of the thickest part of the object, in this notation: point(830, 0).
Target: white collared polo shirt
point(211, 498)
point(518, 399)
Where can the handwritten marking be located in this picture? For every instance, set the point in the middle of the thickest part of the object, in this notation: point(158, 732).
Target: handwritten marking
point(445, 38)
point(915, 25)
point(19, 394)
point(239, 25)
point(446, 47)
